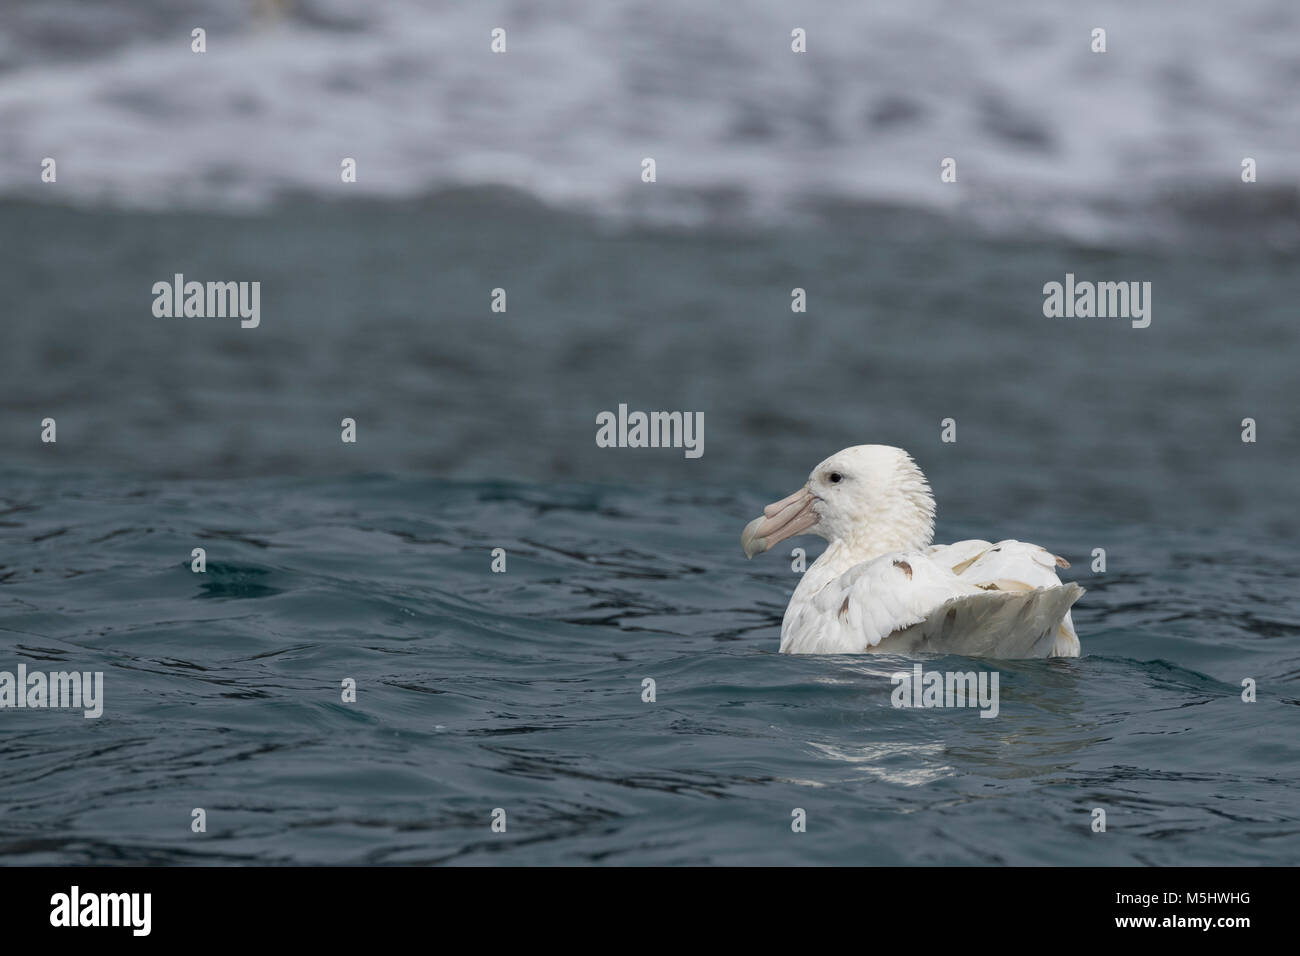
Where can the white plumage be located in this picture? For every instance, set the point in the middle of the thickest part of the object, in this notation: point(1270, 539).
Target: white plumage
point(882, 587)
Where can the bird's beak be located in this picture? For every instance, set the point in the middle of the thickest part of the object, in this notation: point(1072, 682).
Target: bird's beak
point(780, 520)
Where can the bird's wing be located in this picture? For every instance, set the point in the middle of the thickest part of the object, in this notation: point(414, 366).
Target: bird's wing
point(870, 601)
point(972, 598)
point(1004, 624)
point(959, 552)
point(1011, 566)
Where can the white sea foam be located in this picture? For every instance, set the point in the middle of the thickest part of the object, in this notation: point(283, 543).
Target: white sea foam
point(1046, 133)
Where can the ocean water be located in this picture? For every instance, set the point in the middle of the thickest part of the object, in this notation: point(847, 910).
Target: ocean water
point(523, 690)
point(476, 430)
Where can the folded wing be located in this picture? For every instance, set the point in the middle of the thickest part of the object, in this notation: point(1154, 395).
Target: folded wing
point(971, 597)
point(1012, 566)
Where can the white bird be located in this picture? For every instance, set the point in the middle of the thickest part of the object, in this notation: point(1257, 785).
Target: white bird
point(881, 586)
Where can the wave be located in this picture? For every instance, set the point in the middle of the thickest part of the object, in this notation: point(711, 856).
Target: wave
point(1048, 136)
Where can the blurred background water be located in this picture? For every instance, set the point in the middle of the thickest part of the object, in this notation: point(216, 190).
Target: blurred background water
point(476, 429)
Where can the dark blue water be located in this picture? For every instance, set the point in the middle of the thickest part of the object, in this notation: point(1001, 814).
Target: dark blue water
point(523, 690)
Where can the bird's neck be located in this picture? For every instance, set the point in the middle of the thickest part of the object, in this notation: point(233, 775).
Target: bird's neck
point(845, 553)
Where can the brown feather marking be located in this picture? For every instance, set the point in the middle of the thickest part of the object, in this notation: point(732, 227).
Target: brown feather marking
point(1008, 584)
point(1060, 561)
point(960, 568)
point(907, 568)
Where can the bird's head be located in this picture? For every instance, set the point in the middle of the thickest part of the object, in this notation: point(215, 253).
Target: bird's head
point(871, 497)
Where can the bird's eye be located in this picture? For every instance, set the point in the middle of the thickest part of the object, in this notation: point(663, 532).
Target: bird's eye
point(835, 477)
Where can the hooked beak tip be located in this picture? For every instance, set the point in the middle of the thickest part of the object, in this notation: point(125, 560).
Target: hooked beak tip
point(750, 542)
point(783, 519)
